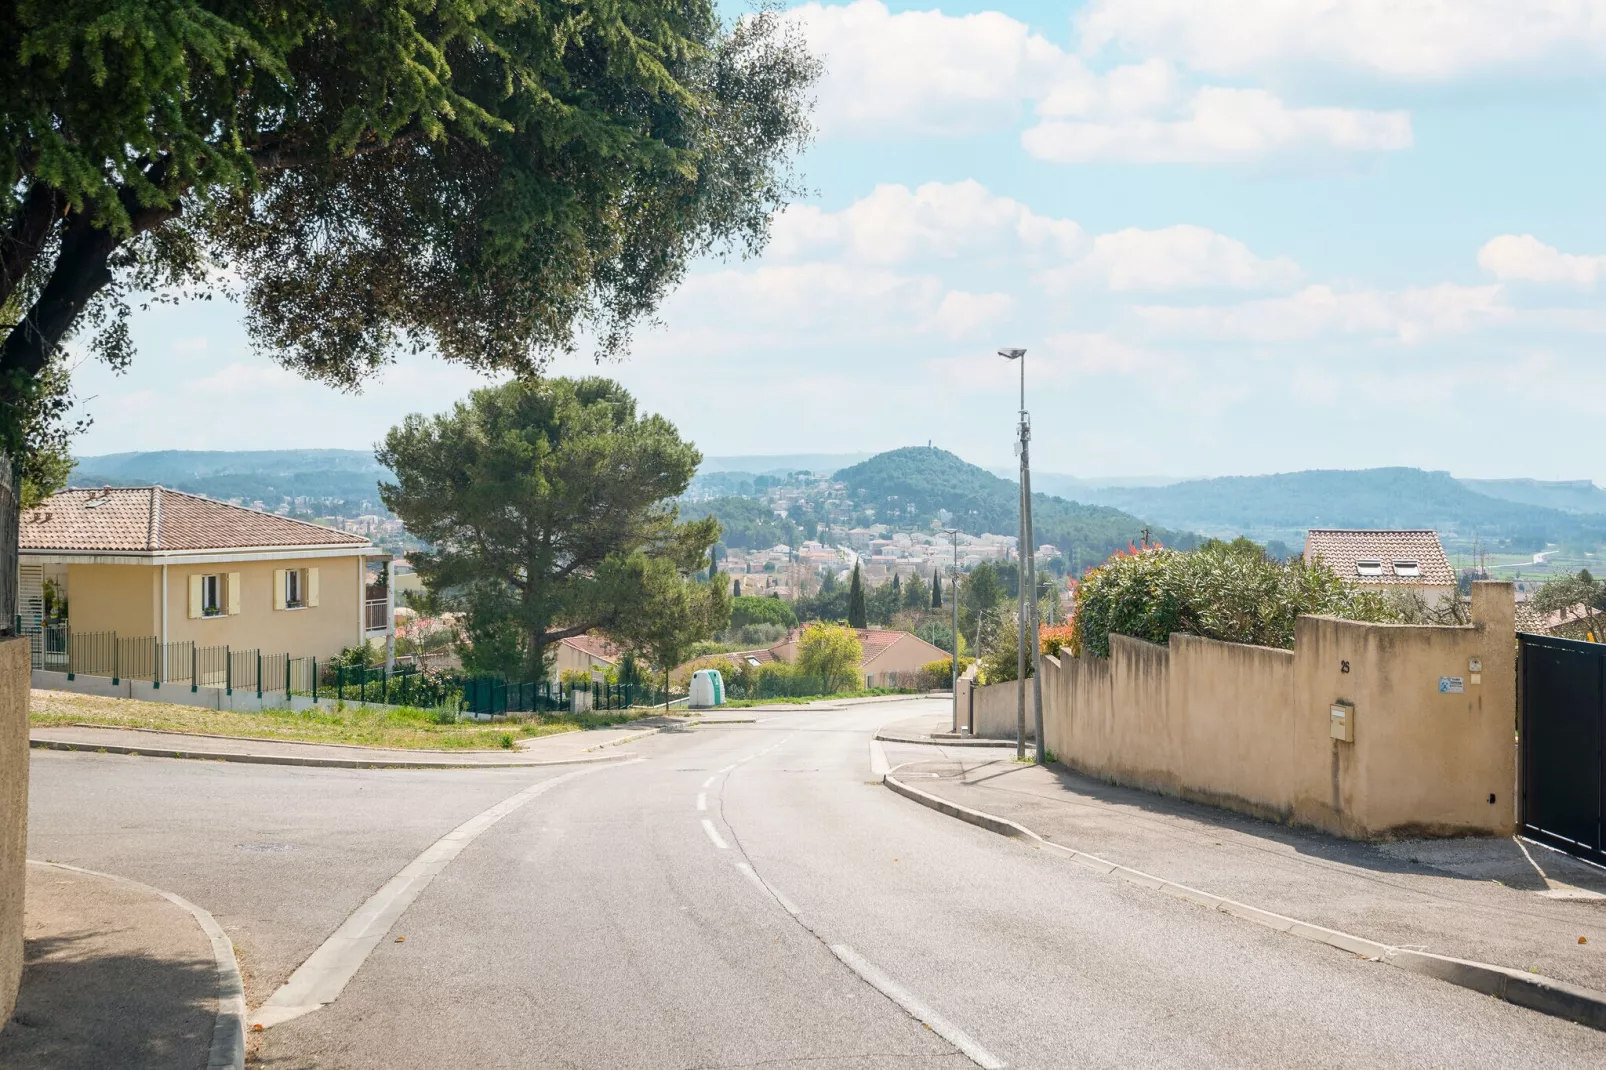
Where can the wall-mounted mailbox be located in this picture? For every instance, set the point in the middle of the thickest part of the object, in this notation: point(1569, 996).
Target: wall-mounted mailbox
point(1341, 722)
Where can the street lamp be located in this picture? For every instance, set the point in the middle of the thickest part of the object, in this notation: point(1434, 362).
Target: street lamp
point(1027, 581)
point(953, 596)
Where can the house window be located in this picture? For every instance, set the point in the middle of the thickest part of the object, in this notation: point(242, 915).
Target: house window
point(1406, 567)
point(211, 596)
point(295, 587)
point(1369, 567)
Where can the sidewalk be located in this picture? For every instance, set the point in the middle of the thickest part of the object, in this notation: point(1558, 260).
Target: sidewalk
point(1504, 902)
point(565, 748)
point(934, 729)
point(114, 976)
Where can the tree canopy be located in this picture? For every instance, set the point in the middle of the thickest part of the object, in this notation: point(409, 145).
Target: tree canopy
point(831, 652)
point(549, 509)
point(487, 182)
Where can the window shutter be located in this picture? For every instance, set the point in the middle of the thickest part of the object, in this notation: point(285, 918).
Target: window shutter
point(234, 593)
point(312, 587)
point(195, 596)
point(278, 588)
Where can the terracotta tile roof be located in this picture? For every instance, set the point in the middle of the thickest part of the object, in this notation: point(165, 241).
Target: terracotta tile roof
point(1342, 549)
point(1538, 622)
point(873, 641)
point(594, 646)
point(84, 520)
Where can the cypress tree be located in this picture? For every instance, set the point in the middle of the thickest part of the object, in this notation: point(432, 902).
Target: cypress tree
point(936, 590)
point(895, 588)
point(856, 613)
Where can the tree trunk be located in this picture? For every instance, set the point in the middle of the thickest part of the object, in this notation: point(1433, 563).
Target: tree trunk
point(10, 517)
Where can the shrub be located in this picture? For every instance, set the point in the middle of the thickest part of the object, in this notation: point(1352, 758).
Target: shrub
point(1227, 591)
point(1052, 639)
point(831, 652)
point(751, 609)
point(938, 675)
point(575, 678)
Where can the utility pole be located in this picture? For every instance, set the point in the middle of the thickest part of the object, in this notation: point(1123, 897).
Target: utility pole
point(953, 596)
point(1027, 584)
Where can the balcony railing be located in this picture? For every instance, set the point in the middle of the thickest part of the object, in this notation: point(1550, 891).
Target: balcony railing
point(376, 609)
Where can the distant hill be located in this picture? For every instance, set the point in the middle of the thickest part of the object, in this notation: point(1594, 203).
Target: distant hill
point(781, 463)
point(1374, 497)
point(1570, 496)
point(266, 475)
point(919, 480)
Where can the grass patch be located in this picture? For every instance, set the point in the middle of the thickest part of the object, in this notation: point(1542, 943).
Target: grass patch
point(403, 727)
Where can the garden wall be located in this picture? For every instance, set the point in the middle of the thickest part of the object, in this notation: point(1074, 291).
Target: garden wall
point(14, 661)
point(1248, 728)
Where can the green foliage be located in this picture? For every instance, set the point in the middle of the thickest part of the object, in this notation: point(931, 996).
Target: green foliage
point(1000, 657)
point(751, 609)
point(979, 592)
point(547, 504)
point(489, 182)
point(1227, 591)
point(938, 675)
point(1577, 597)
point(936, 590)
point(939, 634)
point(747, 524)
point(930, 479)
point(914, 593)
point(831, 652)
point(857, 614)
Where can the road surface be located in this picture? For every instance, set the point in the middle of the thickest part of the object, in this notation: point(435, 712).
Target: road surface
point(741, 896)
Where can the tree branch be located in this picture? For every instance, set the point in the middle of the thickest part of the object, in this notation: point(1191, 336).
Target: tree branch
point(25, 235)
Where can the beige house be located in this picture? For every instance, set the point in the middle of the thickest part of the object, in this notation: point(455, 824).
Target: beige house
point(151, 562)
point(586, 653)
point(888, 654)
point(1386, 560)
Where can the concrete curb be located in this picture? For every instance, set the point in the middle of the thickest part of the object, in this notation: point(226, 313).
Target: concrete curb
point(1536, 992)
point(228, 1031)
point(928, 741)
point(313, 763)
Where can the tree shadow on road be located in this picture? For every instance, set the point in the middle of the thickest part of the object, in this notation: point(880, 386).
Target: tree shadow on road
point(82, 1006)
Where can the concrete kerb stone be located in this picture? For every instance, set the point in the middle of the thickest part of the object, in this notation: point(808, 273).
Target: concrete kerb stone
point(1536, 992)
point(308, 761)
point(227, 1051)
point(932, 741)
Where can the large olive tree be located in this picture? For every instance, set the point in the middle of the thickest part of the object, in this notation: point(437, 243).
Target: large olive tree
point(481, 180)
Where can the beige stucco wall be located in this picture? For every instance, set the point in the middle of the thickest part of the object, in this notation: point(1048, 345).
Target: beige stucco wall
point(1248, 727)
point(14, 678)
point(568, 658)
point(114, 598)
point(317, 631)
point(127, 599)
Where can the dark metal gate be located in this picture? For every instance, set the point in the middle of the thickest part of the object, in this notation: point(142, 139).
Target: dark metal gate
point(1562, 732)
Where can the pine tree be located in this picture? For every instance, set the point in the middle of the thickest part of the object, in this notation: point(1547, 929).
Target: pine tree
point(936, 590)
point(856, 613)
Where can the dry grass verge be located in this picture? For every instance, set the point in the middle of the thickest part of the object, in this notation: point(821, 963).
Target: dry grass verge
point(402, 727)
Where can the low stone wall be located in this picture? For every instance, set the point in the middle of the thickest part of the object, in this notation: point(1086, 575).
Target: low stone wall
point(1432, 709)
point(997, 708)
point(13, 814)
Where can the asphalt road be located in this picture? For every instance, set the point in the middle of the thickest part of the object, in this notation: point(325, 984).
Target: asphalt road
point(745, 896)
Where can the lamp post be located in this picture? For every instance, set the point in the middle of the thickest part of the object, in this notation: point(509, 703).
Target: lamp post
point(953, 596)
point(1027, 581)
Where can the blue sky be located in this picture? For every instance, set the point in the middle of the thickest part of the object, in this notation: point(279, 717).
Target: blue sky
point(1236, 236)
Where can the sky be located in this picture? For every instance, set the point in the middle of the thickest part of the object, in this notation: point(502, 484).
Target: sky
point(1234, 237)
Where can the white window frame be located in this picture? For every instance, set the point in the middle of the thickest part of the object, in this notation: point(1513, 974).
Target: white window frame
point(212, 603)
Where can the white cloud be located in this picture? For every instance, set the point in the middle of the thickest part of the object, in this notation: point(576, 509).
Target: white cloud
point(962, 313)
point(922, 73)
point(1397, 39)
point(964, 221)
point(894, 224)
point(1314, 312)
point(1174, 258)
point(1219, 125)
point(1525, 258)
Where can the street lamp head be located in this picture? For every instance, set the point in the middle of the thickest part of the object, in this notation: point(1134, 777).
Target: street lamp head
point(1012, 354)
